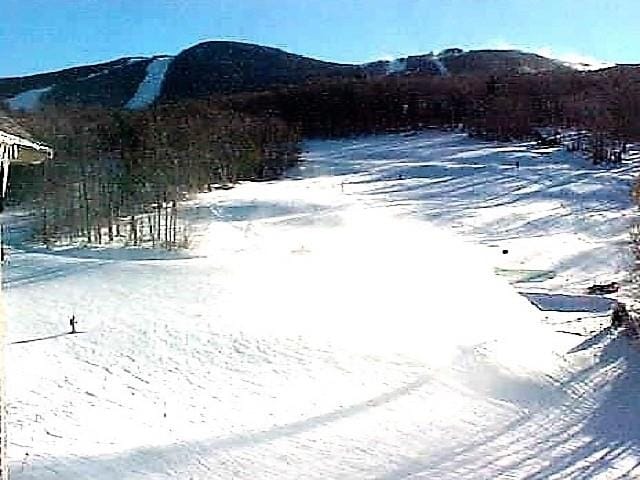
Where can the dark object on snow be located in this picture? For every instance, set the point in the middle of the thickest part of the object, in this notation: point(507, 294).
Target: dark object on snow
point(72, 322)
point(619, 315)
point(223, 187)
point(603, 288)
point(505, 251)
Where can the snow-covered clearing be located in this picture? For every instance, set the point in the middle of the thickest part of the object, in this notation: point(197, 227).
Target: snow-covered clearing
point(442, 69)
point(397, 65)
point(149, 88)
point(28, 100)
point(346, 322)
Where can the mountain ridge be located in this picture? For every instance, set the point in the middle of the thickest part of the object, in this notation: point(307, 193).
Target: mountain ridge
point(223, 67)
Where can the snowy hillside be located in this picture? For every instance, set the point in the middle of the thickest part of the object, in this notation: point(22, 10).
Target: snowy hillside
point(356, 320)
point(149, 88)
point(27, 101)
point(109, 84)
point(222, 67)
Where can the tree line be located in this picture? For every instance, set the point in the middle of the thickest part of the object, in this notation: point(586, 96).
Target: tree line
point(503, 107)
point(120, 175)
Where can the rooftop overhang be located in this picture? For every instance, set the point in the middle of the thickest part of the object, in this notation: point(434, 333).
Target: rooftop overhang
point(19, 150)
point(25, 151)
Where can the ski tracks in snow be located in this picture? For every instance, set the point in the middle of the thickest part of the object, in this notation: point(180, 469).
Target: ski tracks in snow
point(305, 338)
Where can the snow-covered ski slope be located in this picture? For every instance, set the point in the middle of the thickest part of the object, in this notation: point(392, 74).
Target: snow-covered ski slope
point(28, 100)
point(150, 86)
point(346, 322)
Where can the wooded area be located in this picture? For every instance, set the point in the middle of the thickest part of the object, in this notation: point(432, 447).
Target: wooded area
point(120, 175)
point(505, 107)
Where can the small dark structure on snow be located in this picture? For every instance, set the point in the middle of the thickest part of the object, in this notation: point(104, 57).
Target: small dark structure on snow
point(603, 288)
point(620, 315)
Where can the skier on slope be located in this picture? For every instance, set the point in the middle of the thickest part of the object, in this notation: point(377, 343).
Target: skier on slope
point(72, 323)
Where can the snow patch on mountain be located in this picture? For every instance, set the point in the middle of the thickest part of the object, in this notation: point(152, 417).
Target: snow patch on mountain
point(132, 60)
point(126, 63)
point(149, 88)
point(586, 66)
point(442, 70)
point(574, 60)
point(397, 65)
point(27, 101)
point(94, 75)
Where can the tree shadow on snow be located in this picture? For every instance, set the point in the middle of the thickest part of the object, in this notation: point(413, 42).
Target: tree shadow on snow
point(582, 438)
point(113, 253)
point(159, 460)
point(176, 457)
point(591, 341)
point(28, 275)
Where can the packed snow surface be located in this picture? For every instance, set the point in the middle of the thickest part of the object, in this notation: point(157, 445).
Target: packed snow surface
point(346, 322)
point(149, 88)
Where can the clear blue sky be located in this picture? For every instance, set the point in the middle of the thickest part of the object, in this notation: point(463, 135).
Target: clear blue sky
point(42, 35)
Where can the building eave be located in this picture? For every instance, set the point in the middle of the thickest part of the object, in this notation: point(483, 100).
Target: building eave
point(11, 139)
